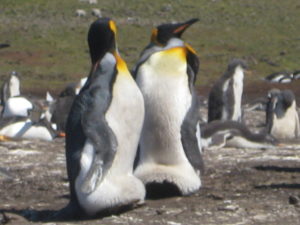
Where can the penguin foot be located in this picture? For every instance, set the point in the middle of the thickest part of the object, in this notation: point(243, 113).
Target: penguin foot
point(4, 138)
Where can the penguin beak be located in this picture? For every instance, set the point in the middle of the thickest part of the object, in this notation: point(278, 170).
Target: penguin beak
point(181, 27)
point(61, 134)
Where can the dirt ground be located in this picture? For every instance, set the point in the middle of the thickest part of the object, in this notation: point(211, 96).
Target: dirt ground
point(240, 186)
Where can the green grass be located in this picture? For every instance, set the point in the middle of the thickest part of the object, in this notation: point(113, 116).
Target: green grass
point(49, 49)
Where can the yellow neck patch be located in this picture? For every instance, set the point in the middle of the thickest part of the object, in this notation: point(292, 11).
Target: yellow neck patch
point(121, 64)
point(177, 52)
point(190, 49)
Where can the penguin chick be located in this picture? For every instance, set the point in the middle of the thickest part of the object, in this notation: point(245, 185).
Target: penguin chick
point(225, 97)
point(281, 115)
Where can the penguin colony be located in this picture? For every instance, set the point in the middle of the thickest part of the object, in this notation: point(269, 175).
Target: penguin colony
point(132, 136)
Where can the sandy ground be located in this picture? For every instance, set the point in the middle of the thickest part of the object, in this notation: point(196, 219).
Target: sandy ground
point(240, 186)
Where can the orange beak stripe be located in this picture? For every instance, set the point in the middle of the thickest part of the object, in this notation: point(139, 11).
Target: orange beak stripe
point(179, 29)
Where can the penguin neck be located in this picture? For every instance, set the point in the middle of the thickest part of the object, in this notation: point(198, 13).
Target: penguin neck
point(174, 42)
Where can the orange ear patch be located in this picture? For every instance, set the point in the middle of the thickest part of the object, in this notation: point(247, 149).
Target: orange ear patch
point(154, 35)
point(113, 26)
point(121, 64)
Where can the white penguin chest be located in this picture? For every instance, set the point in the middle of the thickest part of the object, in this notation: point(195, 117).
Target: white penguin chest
point(25, 129)
point(238, 92)
point(125, 117)
point(163, 81)
point(17, 106)
point(14, 86)
point(287, 126)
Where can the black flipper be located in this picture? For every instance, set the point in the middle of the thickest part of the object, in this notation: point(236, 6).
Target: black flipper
point(102, 138)
point(86, 121)
point(193, 64)
point(189, 136)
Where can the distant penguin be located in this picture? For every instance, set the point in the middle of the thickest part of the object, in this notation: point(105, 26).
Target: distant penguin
point(103, 130)
point(17, 106)
point(13, 103)
point(296, 75)
point(170, 150)
point(10, 88)
point(225, 97)
point(234, 134)
point(62, 106)
point(279, 77)
point(281, 115)
point(60, 110)
point(31, 127)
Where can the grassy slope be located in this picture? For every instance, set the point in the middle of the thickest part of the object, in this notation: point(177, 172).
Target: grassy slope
point(48, 43)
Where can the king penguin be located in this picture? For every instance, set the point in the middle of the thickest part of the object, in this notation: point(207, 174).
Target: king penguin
point(281, 115)
point(13, 104)
point(225, 97)
point(169, 150)
point(102, 131)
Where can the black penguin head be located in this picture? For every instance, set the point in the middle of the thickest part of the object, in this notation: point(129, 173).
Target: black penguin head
point(101, 38)
point(163, 33)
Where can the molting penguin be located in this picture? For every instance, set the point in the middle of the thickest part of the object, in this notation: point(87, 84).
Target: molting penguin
point(234, 134)
point(225, 97)
point(61, 107)
point(103, 129)
point(296, 75)
point(169, 150)
point(10, 88)
point(281, 115)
